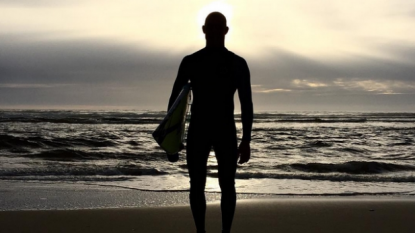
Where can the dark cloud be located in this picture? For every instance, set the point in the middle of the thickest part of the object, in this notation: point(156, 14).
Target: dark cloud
point(337, 102)
point(289, 66)
point(357, 84)
point(83, 71)
point(36, 71)
point(82, 61)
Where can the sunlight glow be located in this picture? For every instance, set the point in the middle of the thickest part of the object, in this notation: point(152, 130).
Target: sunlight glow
point(314, 29)
point(219, 6)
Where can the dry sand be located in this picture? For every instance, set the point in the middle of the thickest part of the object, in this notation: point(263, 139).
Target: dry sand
point(287, 215)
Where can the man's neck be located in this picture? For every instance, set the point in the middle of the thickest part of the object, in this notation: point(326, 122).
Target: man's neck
point(215, 45)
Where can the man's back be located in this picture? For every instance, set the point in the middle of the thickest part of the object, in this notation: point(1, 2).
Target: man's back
point(215, 74)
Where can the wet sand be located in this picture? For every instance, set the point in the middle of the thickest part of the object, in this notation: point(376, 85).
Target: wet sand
point(287, 215)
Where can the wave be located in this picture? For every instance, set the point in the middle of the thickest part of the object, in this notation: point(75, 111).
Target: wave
point(9, 142)
point(352, 167)
point(154, 117)
point(324, 177)
point(328, 120)
point(320, 144)
point(34, 142)
point(81, 171)
point(103, 120)
point(77, 155)
point(319, 120)
point(353, 150)
point(81, 117)
point(64, 178)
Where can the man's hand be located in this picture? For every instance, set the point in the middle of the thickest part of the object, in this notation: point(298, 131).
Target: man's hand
point(244, 152)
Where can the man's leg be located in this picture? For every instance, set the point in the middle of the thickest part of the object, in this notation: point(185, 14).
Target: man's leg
point(197, 155)
point(226, 155)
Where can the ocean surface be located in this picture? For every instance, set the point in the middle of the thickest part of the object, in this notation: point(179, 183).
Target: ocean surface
point(294, 153)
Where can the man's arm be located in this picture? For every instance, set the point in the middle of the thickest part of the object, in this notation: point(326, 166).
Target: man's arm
point(245, 97)
point(181, 79)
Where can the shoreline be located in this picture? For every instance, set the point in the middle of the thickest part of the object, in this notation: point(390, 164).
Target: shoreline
point(23, 195)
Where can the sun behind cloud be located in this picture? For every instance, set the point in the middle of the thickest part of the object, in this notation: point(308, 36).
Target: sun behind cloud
point(219, 6)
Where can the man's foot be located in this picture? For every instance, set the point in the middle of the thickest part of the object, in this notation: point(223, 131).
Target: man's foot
point(173, 158)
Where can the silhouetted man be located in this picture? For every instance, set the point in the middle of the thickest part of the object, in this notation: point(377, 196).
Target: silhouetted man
point(215, 74)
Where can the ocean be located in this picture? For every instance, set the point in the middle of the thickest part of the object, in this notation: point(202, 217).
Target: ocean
point(293, 153)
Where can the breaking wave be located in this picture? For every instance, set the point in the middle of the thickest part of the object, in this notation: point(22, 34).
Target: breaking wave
point(352, 167)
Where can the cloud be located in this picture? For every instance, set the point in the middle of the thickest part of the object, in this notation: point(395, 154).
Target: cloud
point(31, 85)
point(275, 90)
point(82, 61)
point(351, 86)
point(84, 72)
point(377, 87)
point(287, 70)
point(304, 82)
point(106, 72)
point(261, 89)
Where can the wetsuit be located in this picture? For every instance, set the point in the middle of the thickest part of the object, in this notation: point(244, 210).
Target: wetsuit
point(215, 74)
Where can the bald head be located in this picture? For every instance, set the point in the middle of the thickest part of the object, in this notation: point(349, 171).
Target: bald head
point(215, 29)
point(215, 18)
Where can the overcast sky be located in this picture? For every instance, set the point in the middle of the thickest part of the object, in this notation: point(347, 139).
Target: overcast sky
point(316, 55)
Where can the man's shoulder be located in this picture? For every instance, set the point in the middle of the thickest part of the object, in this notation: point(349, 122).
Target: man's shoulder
point(191, 57)
point(194, 55)
point(239, 61)
point(238, 58)
point(202, 52)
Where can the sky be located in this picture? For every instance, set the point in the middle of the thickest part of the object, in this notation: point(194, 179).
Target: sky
point(308, 55)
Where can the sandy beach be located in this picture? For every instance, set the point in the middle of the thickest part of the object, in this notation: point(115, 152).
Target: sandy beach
point(291, 215)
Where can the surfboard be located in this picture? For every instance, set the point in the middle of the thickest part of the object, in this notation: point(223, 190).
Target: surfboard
point(171, 131)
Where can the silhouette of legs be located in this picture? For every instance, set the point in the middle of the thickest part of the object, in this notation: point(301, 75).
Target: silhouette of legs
point(226, 155)
point(197, 155)
point(198, 148)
